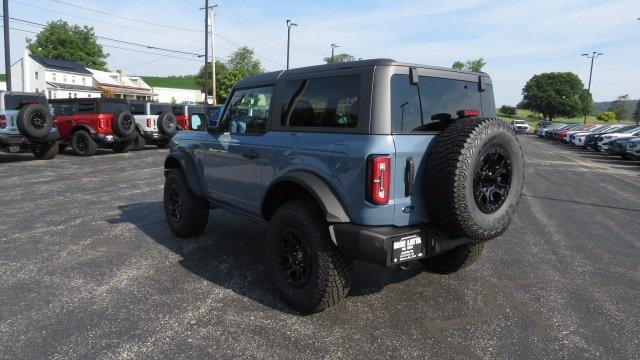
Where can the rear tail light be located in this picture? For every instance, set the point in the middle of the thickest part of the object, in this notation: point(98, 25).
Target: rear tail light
point(467, 113)
point(148, 122)
point(378, 179)
point(101, 123)
point(3, 122)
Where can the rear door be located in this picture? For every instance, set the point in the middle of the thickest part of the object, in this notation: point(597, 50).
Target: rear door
point(417, 113)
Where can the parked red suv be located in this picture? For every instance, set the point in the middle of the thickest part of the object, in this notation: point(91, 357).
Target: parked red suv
point(86, 124)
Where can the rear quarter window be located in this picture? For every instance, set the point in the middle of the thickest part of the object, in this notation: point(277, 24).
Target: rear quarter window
point(16, 101)
point(331, 102)
point(138, 109)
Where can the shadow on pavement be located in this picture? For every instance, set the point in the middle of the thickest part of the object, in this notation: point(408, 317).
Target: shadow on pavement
point(580, 203)
point(229, 254)
point(14, 158)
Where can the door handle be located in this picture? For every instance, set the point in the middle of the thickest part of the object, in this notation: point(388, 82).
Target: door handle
point(250, 154)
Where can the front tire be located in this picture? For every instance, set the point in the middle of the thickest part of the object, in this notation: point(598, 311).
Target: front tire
point(307, 269)
point(186, 213)
point(455, 259)
point(139, 143)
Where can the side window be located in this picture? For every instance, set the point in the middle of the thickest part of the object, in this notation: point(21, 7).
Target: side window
point(488, 102)
point(197, 122)
point(442, 99)
point(331, 102)
point(292, 90)
point(248, 111)
point(406, 115)
point(87, 107)
point(65, 109)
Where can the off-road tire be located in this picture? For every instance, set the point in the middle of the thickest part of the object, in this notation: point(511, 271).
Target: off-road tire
point(163, 143)
point(189, 218)
point(124, 125)
point(451, 166)
point(34, 121)
point(453, 260)
point(167, 125)
point(121, 147)
point(139, 143)
point(61, 147)
point(45, 150)
point(329, 278)
point(83, 144)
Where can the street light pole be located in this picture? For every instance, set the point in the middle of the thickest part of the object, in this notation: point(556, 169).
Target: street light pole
point(206, 46)
point(593, 56)
point(290, 24)
point(7, 50)
point(333, 46)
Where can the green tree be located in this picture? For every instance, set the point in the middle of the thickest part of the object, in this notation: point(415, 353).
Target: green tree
point(458, 65)
point(244, 60)
point(239, 65)
point(508, 110)
point(339, 58)
point(553, 94)
point(636, 114)
point(471, 65)
point(59, 40)
point(621, 106)
point(607, 116)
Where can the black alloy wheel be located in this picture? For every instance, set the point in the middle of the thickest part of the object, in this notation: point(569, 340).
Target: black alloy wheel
point(294, 259)
point(492, 180)
point(175, 203)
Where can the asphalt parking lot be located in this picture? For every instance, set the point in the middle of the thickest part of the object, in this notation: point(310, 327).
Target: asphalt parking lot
point(89, 268)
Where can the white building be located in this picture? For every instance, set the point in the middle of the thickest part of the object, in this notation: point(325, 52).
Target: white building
point(178, 96)
point(118, 85)
point(57, 79)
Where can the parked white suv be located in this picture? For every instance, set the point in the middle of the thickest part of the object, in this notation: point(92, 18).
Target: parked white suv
point(155, 123)
point(520, 126)
point(26, 124)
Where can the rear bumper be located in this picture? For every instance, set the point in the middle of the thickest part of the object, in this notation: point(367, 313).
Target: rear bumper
point(8, 140)
point(375, 244)
point(153, 135)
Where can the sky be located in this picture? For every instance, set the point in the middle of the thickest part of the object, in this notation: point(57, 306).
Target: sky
point(518, 39)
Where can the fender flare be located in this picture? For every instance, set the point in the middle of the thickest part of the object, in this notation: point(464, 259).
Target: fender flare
point(325, 197)
point(185, 162)
point(83, 126)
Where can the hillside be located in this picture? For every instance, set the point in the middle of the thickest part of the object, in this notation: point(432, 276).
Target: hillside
point(600, 107)
point(178, 82)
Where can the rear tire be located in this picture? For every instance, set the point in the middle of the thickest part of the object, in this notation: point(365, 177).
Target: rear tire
point(121, 147)
point(139, 143)
point(186, 213)
point(474, 178)
point(163, 143)
point(307, 269)
point(45, 151)
point(83, 144)
point(454, 259)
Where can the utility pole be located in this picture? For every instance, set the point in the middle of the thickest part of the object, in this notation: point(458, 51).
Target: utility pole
point(7, 50)
point(333, 46)
point(290, 24)
point(593, 56)
point(206, 47)
point(213, 53)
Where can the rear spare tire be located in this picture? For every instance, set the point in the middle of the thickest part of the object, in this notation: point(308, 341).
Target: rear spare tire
point(34, 121)
point(124, 125)
point(167, 124)
point(474, 179)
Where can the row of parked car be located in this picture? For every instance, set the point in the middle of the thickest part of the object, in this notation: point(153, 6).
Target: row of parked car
point(30, 122)
point(622, 140)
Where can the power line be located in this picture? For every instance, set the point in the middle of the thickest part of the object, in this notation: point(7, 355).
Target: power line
point(122, 48)
point(103, 21)
point(125, 17)
point(118, 41)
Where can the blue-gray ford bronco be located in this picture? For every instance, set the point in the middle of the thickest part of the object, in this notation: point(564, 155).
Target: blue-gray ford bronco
point(372, 160)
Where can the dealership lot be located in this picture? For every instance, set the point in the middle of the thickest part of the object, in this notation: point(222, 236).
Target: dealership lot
point(89, 268)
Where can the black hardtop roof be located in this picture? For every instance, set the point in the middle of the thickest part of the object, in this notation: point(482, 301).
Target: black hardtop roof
point(99, 100)
point(272, 77)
